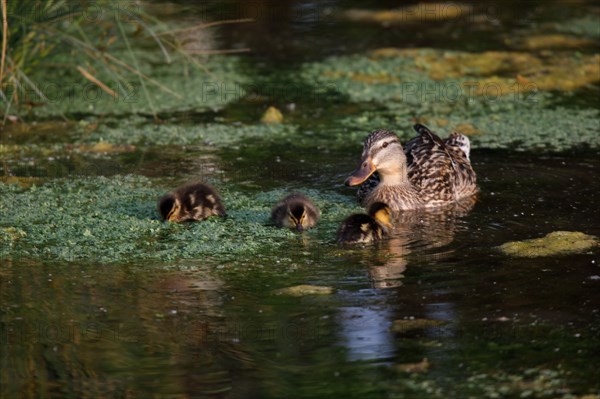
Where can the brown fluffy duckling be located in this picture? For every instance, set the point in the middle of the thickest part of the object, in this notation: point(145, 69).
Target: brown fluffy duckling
point(366, 228)
point(296, 211)
point(191, 202)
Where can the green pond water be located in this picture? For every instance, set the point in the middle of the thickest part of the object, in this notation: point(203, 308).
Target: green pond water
point(101, 299)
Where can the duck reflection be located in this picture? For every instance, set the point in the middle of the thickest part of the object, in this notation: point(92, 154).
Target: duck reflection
point(412, 231)
point(366, 330)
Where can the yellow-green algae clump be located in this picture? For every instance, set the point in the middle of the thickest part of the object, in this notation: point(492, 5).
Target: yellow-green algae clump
point(11, 234)
point(305, 289)
point(557, 41)
point(551, 72)
point(415, 13)
point(272, 115)
point(395, 74)
point(556, 243)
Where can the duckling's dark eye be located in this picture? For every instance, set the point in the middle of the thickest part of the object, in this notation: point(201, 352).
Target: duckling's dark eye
point(385, 144)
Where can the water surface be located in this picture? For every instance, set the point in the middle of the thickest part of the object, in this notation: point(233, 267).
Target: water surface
point(202, 326)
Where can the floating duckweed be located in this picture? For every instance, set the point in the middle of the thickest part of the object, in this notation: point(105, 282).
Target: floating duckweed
point(556, 243)
point(137, 130)
point(549, 129)
point(11, 234)
point(586, 26)
point(427, 75)
point(529, 127)
point(114, 219)
point(305, 289)
point(537, 383)
point(19, 180)
point(442, 65)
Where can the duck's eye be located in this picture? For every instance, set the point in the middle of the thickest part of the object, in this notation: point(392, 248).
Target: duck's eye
point(385, 144)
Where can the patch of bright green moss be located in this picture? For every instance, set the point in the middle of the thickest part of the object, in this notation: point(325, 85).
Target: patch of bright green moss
point(415, 76)
point(556, 243)
point(522, 129)
point(115, 220)
point(533, 383)
point(529, 129)
point(137, 130)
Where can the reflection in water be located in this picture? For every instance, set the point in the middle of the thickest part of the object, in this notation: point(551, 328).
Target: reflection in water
point(90, 332)
point(416, 229)
point(441, 311)
point(365, 330)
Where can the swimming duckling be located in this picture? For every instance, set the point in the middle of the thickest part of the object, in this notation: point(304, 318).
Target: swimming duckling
point(366, 228)
point(195, 201)
point(296, 211)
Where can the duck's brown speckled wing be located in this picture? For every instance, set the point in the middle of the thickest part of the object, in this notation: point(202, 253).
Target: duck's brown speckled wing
point(430, 167)
point(427, 160)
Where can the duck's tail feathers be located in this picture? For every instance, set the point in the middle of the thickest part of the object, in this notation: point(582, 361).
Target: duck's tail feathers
point(427, 134)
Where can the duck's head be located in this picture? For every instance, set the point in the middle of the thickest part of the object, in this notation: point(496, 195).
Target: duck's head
point(169, 207)
point(382, 152)
point(382, 214)
point(297, 216)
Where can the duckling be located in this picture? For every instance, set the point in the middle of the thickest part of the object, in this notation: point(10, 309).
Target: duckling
point(190, 202)
point(428, 172)
point(296, 211)
point(366, 228)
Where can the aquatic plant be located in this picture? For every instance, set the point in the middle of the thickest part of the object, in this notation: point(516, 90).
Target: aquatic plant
point(75, 57)
point(500, 99)
point(556, 243)
point(107, 220)
point(136, 130)
point(585, 26)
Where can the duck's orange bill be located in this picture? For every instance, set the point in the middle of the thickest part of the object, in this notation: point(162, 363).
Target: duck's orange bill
point(361, 174)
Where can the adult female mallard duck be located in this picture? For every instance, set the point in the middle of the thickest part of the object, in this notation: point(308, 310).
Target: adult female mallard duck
point(366, 228)
point(428, 172)
point(296, 211)
point(195, 201)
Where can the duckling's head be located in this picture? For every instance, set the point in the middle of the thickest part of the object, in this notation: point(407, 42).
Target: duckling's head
point(297, 216)
point(169, 207)
point(382, 214)
point(382, 152)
